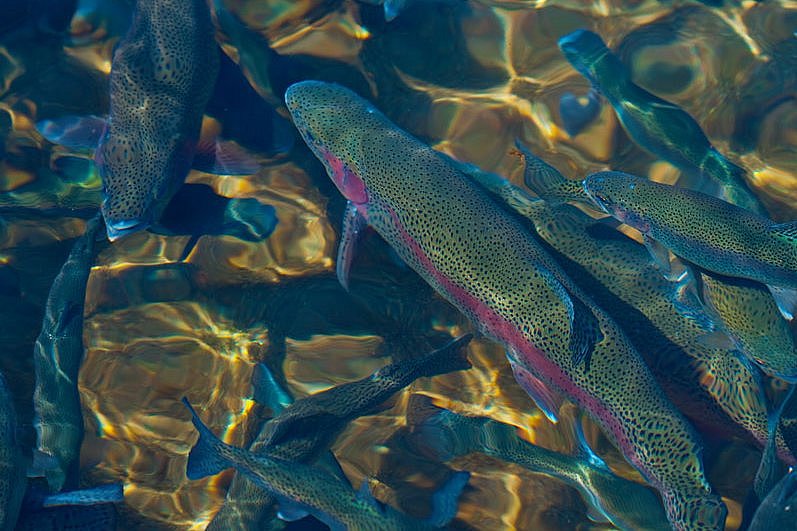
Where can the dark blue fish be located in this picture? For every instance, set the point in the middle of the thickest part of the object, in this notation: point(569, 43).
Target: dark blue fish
point(657, 125)
point(56, 359)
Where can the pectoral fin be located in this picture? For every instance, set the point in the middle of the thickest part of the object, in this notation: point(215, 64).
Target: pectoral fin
point(353, 224)
point(786, 299)
point(548, 401)
point(661, 257)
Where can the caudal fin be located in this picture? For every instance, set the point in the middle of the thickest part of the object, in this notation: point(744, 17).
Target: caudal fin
point(546, 181)
point(204, 459)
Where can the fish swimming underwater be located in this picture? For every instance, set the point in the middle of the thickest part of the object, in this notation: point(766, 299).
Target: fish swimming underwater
point(302, 489)
point(482, 260)
point(56, 359)
point(657, 125)
point(704, 230)
point(443, 435)
point(306, 428)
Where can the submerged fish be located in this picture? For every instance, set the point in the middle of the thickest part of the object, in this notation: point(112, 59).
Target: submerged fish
point(482, 260)
point(444, 435)
point(306, 428)
point(302, 489)
point(778, 511)
point(657, 125)
point(704, 230)
point(56, 359)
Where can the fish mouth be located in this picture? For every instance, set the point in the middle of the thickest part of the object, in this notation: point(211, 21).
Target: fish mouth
point(118, 229)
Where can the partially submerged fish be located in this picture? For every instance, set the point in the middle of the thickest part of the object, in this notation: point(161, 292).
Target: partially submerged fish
point(306, 428)
point(302, 489)
point(483, 261)
point(657, 125)
point(56, 359)
point(704, 230)
point(443, 435)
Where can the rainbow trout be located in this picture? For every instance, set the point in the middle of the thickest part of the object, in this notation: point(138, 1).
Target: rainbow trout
point(482, 260)
point(657, 125)
point(704, 230)
point(162, 76)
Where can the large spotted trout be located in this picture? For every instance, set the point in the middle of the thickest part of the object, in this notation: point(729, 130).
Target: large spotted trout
point(482, 260)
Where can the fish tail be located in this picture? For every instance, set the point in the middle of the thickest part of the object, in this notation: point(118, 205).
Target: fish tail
point(446, 499)
point(205, 458)
point(267, 391)
point(437, 433)
point(546, 181)
point(452, 357)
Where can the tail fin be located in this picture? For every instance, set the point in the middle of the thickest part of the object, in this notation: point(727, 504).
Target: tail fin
point(446, 499)
point(112, 493)
point(204, 459)
point(452, 357)
point(436, 433)
point(546, 181)
point(267, 391)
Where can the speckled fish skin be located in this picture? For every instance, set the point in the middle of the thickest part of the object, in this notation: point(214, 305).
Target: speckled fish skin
point(162, 75)
point(12, 467)
point(57, 355)
point(321, 494)
point(303, 430)
point(707, 231)
point(483, 261)
point(444, 435)
point(655, 124)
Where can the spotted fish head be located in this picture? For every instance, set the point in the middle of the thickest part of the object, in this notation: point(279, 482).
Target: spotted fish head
point(333, 121)
point(584, 50)
point(620, 195)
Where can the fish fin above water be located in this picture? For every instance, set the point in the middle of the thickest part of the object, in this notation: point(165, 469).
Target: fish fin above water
point(577, 112)
point(267, 391)
point(81, 133)
point(548, 401)
point(787, 231)
point(353, 224)
point(223, 158)
point(785, 299)
point(445, 500)
point(546, 181)
point(585, 333)
point(204, 458)
point(112, 493)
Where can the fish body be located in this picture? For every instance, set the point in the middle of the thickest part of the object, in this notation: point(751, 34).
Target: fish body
point(779, 509)
point(704, 230)
point(12, 468)
point(444, 435)
point(162, 75)
point(306, 428)
point(300, 488)
point(57, 355)
point(484, 262)
point(657, 125)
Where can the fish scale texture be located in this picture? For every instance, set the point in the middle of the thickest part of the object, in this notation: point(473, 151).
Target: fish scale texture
point(486, 264)
point(162, 75)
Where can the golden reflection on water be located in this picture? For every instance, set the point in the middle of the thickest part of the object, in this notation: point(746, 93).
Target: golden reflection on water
point(152, 333)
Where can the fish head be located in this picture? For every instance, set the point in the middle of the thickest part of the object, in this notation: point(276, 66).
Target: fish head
point(332, 120)
point(618, 194)
point(583, 49)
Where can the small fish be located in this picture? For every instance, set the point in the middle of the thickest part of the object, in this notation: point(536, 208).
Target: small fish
point(716, 313)
point(778, 511)
point(303, 430)
point(704, 230)
point(483, 261)
point(57, 355)
point(302, 489)
point(657, 125)
point(443, 435)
